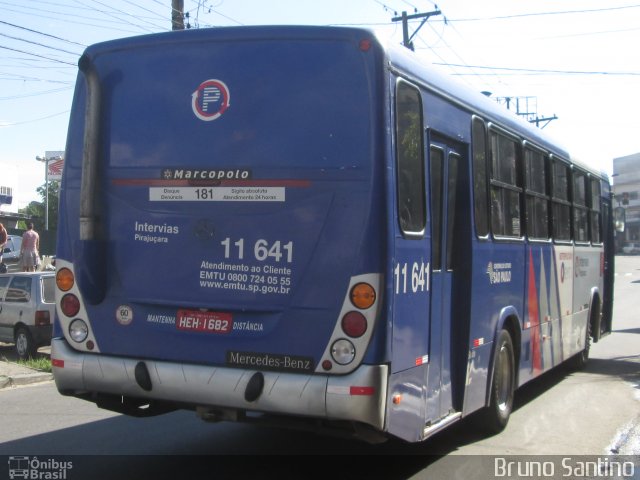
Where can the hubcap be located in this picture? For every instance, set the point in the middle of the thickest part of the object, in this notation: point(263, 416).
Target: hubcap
point(21, 344)
point(504, 379)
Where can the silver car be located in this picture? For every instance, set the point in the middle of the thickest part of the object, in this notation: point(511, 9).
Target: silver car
point(11, 251)
point(27, 308)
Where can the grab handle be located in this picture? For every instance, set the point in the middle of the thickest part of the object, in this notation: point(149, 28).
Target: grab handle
point(88, 209)
point(90, 250)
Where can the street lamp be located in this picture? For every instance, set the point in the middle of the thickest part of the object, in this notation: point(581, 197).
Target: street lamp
point(46, 185)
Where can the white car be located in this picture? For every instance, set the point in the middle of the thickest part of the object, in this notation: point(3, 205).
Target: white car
point(11, 251)
point(27, 308)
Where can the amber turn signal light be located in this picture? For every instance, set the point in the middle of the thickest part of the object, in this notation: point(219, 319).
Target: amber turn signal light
point(64, 279)
point(363, 296)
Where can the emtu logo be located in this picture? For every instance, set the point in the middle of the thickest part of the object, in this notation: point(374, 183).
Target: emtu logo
point(210, 100)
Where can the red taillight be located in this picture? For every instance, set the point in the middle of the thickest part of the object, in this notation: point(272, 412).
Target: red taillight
point(42, 318)
point(354, 324)
point(57, 363)
point(70, 305)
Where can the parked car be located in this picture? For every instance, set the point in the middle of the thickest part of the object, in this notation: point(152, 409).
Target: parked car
point(11, 252)
point(631, 248)
point(27, 308)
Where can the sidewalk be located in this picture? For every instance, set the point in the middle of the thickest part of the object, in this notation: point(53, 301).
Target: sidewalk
point(14, 375)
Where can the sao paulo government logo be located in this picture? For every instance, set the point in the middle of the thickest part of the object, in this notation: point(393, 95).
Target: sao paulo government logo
point(210, 100)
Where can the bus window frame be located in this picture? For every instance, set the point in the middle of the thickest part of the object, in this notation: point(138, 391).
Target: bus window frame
point(527, 145)
point(553, 158)
point(493, 128)
point(410, 234)
point(591, 179)
point(575, 206)
point(478, 201)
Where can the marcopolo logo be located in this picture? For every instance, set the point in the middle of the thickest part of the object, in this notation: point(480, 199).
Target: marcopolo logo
point(38, 469)
point(205, 174)
point(210, 100)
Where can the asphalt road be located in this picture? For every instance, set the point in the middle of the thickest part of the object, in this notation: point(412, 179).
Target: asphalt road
point(563, 413)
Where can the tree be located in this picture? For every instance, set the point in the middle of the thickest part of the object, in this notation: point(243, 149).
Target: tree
point(54, 194)
point(36, 209)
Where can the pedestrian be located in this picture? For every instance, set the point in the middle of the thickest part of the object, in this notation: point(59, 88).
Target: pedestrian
point(29, 251)
point(3, 242)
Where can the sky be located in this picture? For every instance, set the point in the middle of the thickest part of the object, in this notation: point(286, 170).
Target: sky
point(576, 60)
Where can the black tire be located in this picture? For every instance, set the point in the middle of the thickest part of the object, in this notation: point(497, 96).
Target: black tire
point(495, 416)
point(25, 346)
point(579, 361)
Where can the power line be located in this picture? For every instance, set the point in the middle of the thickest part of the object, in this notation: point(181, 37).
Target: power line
point(67, 17)
point(37, 43)
point(543, 71)
point(156, 14)
point(36, 55)
point(109, 14)
point(12, 124)
point(24, 78)
point(539, 14)
point(42, 33)
point(35, 94)
point(386, 7)
point(227, 17)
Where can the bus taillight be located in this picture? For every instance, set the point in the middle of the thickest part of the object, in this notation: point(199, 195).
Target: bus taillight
point(363, 296)
point(354, 324)
point(65, 279)
point(78, 330)
point(343, 351)
point(70, 305)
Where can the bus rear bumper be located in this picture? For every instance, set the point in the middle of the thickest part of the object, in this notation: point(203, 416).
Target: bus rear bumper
point(359, 396)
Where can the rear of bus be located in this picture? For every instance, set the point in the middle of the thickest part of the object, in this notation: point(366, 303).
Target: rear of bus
point(221, 233)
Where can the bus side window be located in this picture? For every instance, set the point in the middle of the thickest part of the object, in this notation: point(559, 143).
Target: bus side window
point(505, 188)
point(561, 207)
point(480, 177)
point(580, 210)
point(537, 198)
point(596, 220)
point(410, 160)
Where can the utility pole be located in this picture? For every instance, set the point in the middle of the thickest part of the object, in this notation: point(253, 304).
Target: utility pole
point(177, 14)
point(406, 39)
point(530, 112)
point(538, 120)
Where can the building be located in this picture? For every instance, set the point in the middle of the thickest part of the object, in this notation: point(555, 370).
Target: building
point(6, 196)
point(626, 189)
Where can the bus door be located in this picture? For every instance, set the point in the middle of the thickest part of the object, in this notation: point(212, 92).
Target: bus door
point(448, 220)
point(608, 266)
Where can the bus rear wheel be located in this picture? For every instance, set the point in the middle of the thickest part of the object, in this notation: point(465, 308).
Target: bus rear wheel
point(496, 415)
point(580, 360)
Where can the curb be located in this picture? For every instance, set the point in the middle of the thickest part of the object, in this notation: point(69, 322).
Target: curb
point(24, 379)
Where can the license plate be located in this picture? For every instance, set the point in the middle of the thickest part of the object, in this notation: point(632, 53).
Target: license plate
point(205, 322)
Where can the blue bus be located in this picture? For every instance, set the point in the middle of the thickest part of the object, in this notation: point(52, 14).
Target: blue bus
point(301, 226)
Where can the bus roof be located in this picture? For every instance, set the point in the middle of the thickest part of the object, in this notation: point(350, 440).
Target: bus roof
point(399, 58)
point(448, 87)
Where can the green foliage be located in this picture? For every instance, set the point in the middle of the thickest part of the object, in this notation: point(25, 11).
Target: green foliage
point(40, 363)
point(36, 209)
